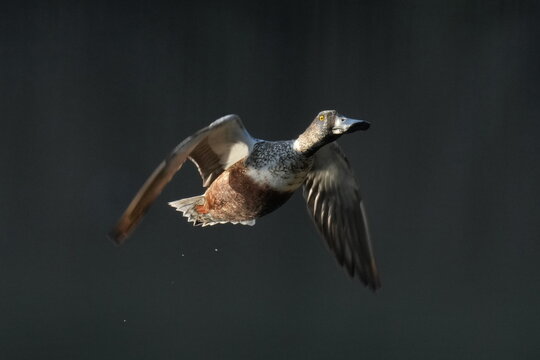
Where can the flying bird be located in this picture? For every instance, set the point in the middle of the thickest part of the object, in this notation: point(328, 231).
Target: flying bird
point(246, 178)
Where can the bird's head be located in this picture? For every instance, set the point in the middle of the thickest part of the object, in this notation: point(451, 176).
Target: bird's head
point(327, 126)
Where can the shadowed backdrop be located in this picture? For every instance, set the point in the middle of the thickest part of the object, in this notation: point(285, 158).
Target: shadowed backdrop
point(93, 95)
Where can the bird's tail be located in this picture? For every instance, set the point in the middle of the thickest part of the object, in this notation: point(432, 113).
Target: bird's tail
point(192, 208)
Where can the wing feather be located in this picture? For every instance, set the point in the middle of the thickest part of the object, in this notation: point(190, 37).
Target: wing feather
point(212, 149)
point(334, 202)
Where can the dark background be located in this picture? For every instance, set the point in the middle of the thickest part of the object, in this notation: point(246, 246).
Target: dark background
point(94, 94)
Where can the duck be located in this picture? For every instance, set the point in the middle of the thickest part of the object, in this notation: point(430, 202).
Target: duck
point(246, 178)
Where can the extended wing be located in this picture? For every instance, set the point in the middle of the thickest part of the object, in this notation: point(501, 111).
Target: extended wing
point(212, 149)
point(334, 201)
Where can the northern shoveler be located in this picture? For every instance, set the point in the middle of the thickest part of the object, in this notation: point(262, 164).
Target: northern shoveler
point(247, 178)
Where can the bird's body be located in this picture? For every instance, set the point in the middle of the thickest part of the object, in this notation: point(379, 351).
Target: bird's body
point(247, 178)
point(250, 188)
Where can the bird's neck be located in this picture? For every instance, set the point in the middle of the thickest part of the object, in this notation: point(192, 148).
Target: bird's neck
point(310, 141)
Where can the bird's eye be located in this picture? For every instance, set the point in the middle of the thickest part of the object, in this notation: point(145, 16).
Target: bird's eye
point(321, 117)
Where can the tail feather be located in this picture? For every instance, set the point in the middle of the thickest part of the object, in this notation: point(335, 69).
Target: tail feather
point(188, 209)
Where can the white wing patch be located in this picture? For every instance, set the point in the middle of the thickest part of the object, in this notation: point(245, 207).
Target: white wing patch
point(236, 152)
point(232, 144)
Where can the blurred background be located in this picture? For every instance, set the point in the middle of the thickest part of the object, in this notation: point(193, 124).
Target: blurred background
point(94, 94)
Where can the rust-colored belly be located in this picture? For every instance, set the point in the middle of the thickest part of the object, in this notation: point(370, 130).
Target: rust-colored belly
point(234, 196)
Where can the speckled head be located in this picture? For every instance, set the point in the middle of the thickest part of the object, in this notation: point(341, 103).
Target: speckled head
point(327, 126)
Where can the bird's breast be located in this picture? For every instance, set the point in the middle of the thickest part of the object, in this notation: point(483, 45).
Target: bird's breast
point(276, 165)
point(276, 179)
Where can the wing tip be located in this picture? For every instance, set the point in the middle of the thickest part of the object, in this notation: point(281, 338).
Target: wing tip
point(371, 279)
point(117, 236)
point(374, 284)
